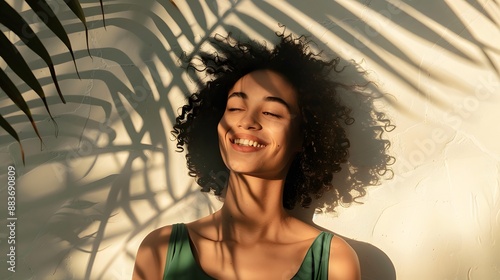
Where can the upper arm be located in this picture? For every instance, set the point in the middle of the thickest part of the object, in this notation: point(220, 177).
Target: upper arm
point(152, 254)
point(343, 263)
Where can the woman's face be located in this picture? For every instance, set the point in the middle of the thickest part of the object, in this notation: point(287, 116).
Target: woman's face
point(259, 133)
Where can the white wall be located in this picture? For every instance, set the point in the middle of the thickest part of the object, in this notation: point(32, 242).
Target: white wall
point(86, 200)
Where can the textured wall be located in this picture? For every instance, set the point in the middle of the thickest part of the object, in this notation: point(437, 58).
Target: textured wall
point(89, 196)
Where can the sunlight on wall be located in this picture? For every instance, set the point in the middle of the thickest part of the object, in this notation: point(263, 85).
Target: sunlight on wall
point(112, 175)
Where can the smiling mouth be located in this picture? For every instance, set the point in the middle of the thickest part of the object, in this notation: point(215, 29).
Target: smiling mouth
point(247, 143)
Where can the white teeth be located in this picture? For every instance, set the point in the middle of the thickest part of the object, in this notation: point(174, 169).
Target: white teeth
point(246, 142)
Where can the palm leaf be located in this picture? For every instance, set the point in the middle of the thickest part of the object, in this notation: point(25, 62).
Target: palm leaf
point(15, 95)
point(21, 68)
point(5, 125)
point(102, 11)
point(75, 6)
point(45, 13)
point(12, 20)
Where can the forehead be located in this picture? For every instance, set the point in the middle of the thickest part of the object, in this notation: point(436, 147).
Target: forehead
point(267, 83)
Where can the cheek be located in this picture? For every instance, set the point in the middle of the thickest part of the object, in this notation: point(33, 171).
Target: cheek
point(222, 127)
point(221, 131)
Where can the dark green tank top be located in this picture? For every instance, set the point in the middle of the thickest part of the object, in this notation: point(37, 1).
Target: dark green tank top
point(181, 264)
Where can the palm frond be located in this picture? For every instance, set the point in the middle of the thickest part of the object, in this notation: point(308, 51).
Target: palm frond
point(12, 20)
point(17, 63)
point(5, 125)
point(43, 11)
point(75, 6)
point(15, 95)
point(15, 23)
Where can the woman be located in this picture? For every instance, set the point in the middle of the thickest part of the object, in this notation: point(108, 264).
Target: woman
point(266, 132)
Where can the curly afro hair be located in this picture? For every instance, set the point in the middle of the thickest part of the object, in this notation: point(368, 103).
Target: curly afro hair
point(324, 117)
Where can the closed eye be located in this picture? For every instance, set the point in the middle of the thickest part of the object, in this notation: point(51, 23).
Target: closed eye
point(271, 114)
point(234, 109)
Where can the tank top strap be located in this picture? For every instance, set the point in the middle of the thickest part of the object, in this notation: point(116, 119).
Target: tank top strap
point(180, 263)
point(317, 259)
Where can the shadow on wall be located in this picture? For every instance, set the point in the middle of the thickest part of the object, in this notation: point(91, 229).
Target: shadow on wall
point(75, 217)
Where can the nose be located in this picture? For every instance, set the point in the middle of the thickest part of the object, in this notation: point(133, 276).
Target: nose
point(250, 122)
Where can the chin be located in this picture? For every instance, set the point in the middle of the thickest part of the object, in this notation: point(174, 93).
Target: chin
point(243, 168)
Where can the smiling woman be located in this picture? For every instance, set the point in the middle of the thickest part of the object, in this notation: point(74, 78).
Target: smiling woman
point(266, 132)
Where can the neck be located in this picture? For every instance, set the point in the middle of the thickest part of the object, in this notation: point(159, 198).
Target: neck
point(253, 208)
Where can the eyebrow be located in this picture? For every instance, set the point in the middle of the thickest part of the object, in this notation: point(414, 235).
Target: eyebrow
point(243, 95)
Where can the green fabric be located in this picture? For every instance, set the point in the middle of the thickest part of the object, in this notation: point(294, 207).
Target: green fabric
point(315, 264)
point(182, 265)
point(180, 260)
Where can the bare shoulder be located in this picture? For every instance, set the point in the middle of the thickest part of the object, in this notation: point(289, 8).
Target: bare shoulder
point(152, 254)
point(344, 263)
